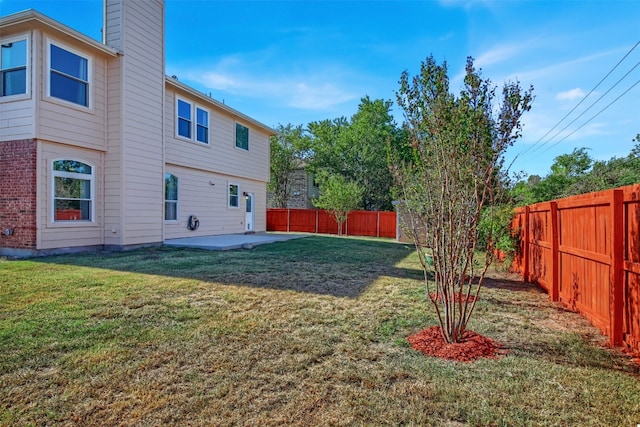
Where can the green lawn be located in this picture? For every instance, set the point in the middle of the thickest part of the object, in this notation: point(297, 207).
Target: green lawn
point(305, 332)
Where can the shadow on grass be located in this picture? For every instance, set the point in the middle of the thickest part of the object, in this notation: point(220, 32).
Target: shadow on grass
point(511, 285)
point(577, 350)
point(577, 343)
point(326, 265)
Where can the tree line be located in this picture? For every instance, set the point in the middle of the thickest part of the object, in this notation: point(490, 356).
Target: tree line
point(578, 173)
point(350, 158)
point(339, 152)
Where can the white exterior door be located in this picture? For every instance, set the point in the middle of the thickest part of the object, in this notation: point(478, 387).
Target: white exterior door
point(249, 214)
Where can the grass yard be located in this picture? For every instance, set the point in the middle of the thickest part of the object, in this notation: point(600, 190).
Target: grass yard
point(305, 332)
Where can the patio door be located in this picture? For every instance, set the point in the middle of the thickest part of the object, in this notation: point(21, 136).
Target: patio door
point(249, 214)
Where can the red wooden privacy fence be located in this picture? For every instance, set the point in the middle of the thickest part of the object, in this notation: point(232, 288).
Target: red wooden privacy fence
point(359, 223)
point(585, 251)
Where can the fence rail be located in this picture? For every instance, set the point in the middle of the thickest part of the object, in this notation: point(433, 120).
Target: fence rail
point(585, 251)
point(359, 223)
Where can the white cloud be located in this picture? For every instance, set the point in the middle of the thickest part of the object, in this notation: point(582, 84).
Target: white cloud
point(570, 95)
point(319, 89)
point(498, 54)
point(216, 81)
point(317, 97)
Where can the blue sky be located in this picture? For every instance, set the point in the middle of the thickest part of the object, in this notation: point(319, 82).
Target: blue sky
point(302, 61)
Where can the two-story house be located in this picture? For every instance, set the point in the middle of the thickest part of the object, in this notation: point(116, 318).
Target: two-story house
point(100, 149)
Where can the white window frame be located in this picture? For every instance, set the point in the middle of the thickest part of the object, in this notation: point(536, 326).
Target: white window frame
point(89, 81)
point(193, 122)
point(197, 124)
point(176, 201)
point(235, 136)
point(229, 205)
point(92, 188)
point(15, 39)
point(190, 137)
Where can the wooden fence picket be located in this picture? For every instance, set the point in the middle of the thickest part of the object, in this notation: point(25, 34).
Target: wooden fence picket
point(584, 250)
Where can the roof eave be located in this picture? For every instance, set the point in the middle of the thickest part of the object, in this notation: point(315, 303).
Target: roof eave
point(35, 16)
point(205, 98)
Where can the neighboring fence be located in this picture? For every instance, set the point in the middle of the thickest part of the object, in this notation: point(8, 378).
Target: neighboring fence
point(359, 223)
point(585, 251)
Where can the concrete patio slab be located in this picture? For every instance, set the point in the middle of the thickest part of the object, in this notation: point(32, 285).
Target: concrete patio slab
point(226, 242)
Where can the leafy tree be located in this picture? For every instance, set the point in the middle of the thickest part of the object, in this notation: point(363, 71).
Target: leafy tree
point(356, 149)
point(288, 149)
point(338, 196)
point(566, 172)
point(329, 150)
point(371, 128)
point(522, 192)
point(458, 144)
point(578, 173)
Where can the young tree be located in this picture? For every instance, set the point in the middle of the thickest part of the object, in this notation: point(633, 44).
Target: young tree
point(288, 150)
point(338, 196)
point(455, 170)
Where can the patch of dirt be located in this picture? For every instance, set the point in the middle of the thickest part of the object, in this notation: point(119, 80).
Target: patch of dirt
point(472, 347)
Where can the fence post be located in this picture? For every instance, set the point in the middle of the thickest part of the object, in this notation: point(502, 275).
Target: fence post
point(616, 268)
point(317, 210)
point(555, 253)
point(288, 220)
point(525, 231)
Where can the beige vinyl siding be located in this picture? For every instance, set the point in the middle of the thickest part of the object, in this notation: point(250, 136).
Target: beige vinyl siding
point(221, 154)
point(196, 196)
point(113, 181)
point(112, 26)
point(142, 104)
point(64, 121)
point(17, 120)
point(67, 234)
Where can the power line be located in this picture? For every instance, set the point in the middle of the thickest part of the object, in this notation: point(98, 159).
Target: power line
point(591, 106)
point(578, 104)
point(596, 115)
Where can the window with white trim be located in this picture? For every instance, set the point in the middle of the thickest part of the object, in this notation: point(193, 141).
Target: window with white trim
point(73, 191)
point(69, 74)
point(184, 119)
point(192, 121)
point(242, 136)
point(202, 125)
point(14, 66)
point(234, 196)
point(170, 197)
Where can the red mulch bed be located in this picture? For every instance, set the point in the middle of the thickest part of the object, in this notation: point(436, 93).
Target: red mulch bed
point(472, 347)
point(456, 297)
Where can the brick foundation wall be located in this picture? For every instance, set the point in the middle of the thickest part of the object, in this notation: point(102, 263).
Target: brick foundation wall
point(18, 193)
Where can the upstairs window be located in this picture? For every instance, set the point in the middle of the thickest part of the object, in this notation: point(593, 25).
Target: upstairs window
point(184, 119)
point(242, 136)
point(192, 121)
point(170, 197)
point(68, 76)
point(202, 118)
point(73, 184)
point(13, 67)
